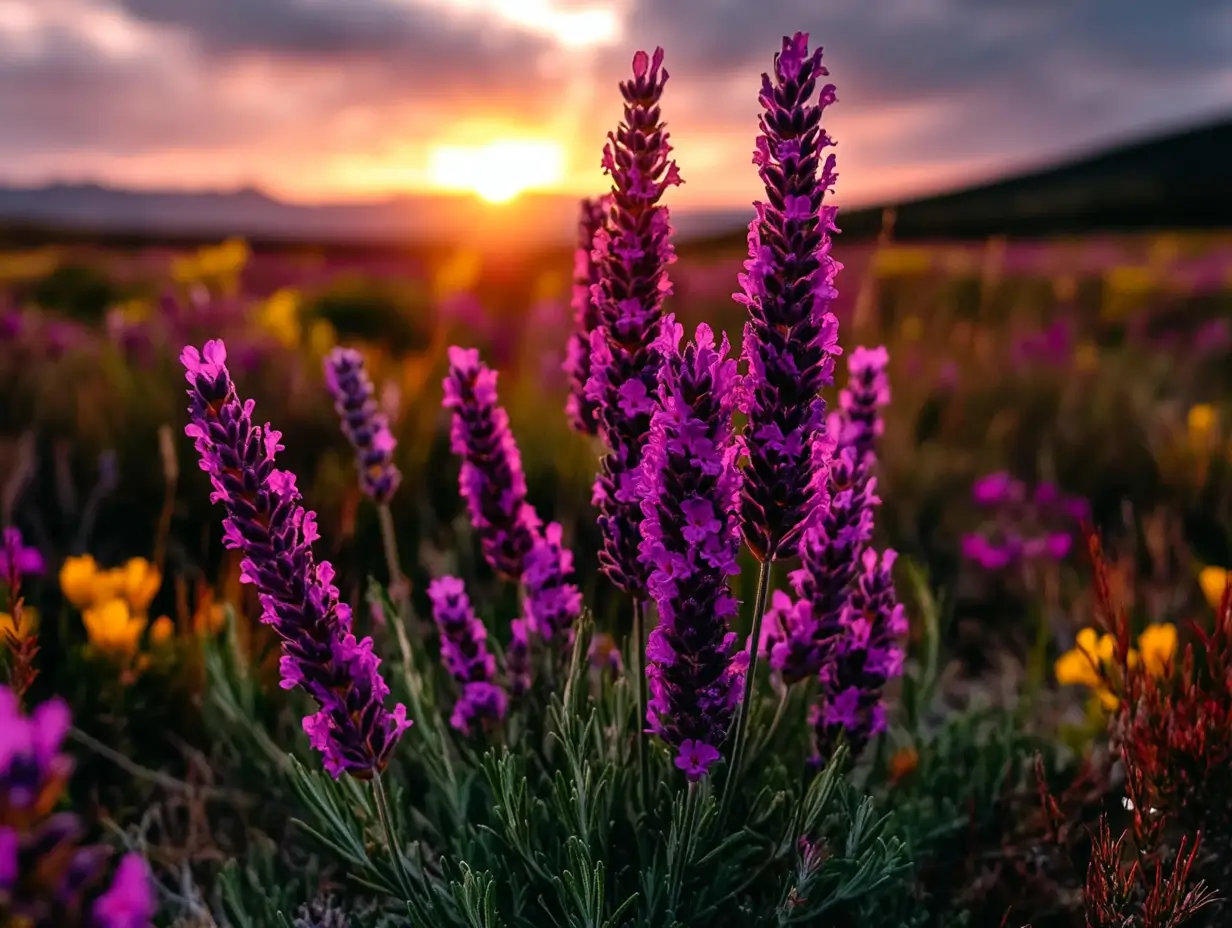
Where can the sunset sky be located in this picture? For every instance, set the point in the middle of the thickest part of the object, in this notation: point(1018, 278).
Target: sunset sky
point(317, 100)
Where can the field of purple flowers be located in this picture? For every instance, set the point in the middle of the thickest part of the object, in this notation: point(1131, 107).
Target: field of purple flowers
point(470, 589)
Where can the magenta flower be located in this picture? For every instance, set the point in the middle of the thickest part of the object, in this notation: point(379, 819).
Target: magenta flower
point(582, 411)
point(632, 253)
point(491, 481)
point(867, 393)
point(266, 522)
point(364, 424)
point(16, 560)
point(690, 540)
point(464, 652)
point(47, 877)
point(791, 338)
point(552, 603)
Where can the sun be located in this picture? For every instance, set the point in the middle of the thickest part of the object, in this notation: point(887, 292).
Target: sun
point(497, 171)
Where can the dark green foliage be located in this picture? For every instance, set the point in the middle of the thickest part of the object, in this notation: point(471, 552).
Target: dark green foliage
point(396, 316)
point(80, 291)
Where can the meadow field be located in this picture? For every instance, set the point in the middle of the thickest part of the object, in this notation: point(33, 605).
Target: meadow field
point(1043, 739)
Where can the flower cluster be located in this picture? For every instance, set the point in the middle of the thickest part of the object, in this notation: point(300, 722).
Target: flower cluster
point(1091, 662)
point(365, 426)
point(115, 603)
point(491, 480)
point(689, 546)
point(581, 410)
point(791, 338)
point(552, 603)
point(632, 253)
point(1023, 527)
point(464, 652)
point(47, 878)
point(798, 636)
point(265, 521)
point(860, 403)
point(866, 656)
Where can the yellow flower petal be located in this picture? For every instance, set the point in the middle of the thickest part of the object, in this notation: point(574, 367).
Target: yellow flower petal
point(162, 631)
point(1201, 419)
point(29, 622)
point(141, 583)
point(111, 627)
point(1213, 580)
point(78, 580)
point(1074, 668)
point(1158, 646)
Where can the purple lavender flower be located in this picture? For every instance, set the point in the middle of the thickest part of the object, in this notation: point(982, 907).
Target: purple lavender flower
point(791, 338)
point(265, 521)
point(866, 657)
point(491, 480)
point(690, 541)
point(517, 658)
point(16, 559)
point(46, 876)
point(1024, 526)
point(582, 411)
point(363, 423)
point(632, 253)
point(464, 652)
point(866, 394)
point(552, 603)
point(830, 555)
point(997, 489)
point(128, 903)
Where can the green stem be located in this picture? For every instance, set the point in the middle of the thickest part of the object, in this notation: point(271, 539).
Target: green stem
point(384, 815)
point(744, 710)
point(637, 649)
point(399, 588)
point(774, 727)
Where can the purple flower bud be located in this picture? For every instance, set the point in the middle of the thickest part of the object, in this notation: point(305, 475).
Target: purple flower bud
point(363, 423)
point(690, 541)
point(129, 902)
point(997, 489)
point(867, 393)
point(16, 560)
point(552, 603)
point(491, 480)
point(517, 658)
point(631, 253)
point(791, 338)
point(581, 410)
point(266, 522)
point(866, 656)
point(464, 652)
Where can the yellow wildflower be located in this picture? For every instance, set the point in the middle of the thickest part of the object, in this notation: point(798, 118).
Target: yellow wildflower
point(1088, 663)
point(162, 631)
point(112, 628)
point(1201, 420)
point(29, 622)
point(79, 580)
point(139, 583)
point(1213, 581)
point(1157, 644)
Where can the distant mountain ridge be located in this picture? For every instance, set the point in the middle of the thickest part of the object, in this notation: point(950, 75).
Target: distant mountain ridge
point(412, 218)
point(1177, 180)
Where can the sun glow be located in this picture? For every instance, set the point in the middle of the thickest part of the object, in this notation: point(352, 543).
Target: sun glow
point(498, 171)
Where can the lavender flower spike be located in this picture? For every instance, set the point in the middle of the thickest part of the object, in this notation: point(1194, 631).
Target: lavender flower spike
point(266, 522)
point(582, 411)
point(464, 652)
point(830, 556)
point(791, 338)
point(689, 546)
point(866, 394)
point(552, 603)
point(491, 480)
point(365, 426)
point(632, 253)
point(867, 656)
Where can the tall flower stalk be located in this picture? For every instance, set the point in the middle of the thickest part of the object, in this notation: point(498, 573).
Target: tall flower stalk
point(581, 410)
point(632, 252)
point(367, 429)
point(691, 539)
point(353, 729)
point(791, 337)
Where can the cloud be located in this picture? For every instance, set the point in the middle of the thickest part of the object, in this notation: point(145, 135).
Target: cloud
point(297, 93)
